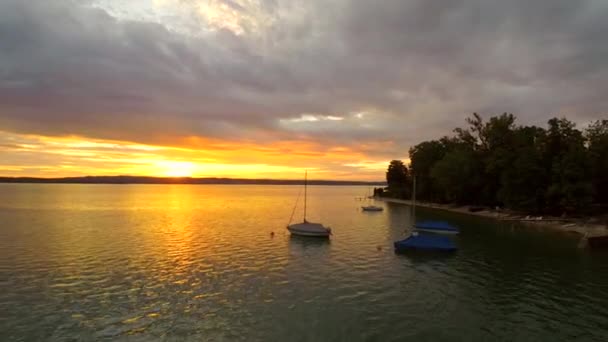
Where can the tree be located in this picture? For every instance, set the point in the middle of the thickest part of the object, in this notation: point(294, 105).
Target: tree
point(523, 182)
point(492, 145)
point(397, 178)
point(423, 157)
point(456, 175)
point(397, 173)
point(497, 154)
point(494, 162)
point(597, 140)
point(567, 162)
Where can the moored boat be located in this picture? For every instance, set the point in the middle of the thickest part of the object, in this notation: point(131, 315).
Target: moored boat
point(420, 242)
point(371, 207)
point(309, 229)
point(437, 227)
point(306, 228)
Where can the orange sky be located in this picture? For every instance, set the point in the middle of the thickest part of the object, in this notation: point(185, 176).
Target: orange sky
point(43, 156)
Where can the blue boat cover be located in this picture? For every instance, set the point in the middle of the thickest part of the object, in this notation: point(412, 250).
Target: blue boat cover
point(426, 242)
point(436, 225)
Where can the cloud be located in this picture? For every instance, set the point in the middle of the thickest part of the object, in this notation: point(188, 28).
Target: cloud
point(171, 71)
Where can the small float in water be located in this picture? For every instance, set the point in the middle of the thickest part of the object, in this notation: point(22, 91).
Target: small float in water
point(437, 227)
point(421, 242)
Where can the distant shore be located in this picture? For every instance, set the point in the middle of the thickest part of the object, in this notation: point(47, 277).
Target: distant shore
point(553, 223)
point(177, 180)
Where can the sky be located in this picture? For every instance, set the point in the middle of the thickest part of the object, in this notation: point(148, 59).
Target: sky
point(268, 88)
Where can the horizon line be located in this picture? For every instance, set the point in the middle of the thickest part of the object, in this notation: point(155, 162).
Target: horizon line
point(130, 179)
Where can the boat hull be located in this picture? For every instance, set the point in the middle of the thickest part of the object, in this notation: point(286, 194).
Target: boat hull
point(309, 230)
point(436, 227)
point(437, 231)
point(372, 208)
point(307, 234)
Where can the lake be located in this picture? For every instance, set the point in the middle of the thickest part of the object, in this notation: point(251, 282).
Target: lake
point(198, 263)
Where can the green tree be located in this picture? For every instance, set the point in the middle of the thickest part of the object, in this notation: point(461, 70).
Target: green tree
point(523, 182)
point(597, 139)
point(457, 174)
point(567, 162)
point(528, 168)
point(423, 157)
point(492, 142)
point(497, 154)
point(397, 179)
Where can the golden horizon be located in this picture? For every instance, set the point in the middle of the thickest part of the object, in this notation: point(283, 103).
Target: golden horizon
point(40, 156)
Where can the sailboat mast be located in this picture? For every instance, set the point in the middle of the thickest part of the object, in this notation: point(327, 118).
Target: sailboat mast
point(414, 200)
point(305, 197)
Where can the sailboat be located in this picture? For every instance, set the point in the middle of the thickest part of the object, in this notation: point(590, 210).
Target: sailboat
point(419, 242)
point(306, 228)
point(371, 207)
point(437, 227)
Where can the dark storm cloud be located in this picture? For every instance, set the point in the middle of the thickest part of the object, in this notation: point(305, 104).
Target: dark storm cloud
point(414, 68)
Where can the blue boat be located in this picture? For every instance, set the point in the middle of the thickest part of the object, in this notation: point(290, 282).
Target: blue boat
point(438, 227)
point(420, 242)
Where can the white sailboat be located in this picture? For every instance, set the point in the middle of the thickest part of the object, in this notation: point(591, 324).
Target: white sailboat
point(306, 228)
point(371, 207)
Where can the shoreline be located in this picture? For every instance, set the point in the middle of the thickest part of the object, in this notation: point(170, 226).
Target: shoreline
point(125, 180)
point(554, 223)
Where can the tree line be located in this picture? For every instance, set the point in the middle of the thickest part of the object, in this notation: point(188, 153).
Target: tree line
point(555, 170)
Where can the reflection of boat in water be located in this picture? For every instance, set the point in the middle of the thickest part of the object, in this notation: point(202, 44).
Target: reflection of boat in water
point(305, 241)
point(306, 228)
point(438, 227)
point(305, 249)
point(421, 242)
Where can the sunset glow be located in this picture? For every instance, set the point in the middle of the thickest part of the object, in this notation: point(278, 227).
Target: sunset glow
point(78, 156)
point(267, 89)
point(176, 169)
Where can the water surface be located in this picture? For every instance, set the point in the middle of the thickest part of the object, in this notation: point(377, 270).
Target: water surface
point(198, 263)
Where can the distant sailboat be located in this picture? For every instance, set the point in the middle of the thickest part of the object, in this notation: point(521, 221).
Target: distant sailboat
point(371, 207)
point(306, 228)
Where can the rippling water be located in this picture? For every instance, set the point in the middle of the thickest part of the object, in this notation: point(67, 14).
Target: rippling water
point(162, 262)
